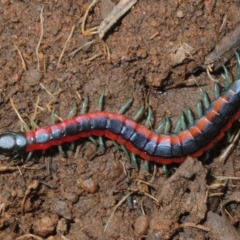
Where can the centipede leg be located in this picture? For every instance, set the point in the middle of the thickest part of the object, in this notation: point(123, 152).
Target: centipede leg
point(206, 100)
point(161, 126)
point(100, 139)
point(226, 76)
point(53, 122)
point(216, 90)
point(147, 124)
point(136, 118)
point(122, 110)
point(205, 155)
point(238, 65)
point(71, 114)
point(83, 111)
point(135, 161)
point(125, 106)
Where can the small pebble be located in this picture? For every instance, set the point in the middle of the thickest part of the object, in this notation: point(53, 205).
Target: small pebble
point(141, 225)
point(44, 226)
point(89, 185)
point(63, 210)
point(180, 14)
point(62, 227)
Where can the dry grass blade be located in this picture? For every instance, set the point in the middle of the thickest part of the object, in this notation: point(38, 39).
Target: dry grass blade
point(78, 49)
point(24, 66)
point(116, 207)
point(84, 32)
point(65, 45)
point(40, 38)
point(23, 123)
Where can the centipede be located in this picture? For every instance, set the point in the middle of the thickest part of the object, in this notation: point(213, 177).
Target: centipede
point(165, 149)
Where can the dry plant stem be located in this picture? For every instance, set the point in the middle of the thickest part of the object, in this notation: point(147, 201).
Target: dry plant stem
point(24, 66)
point(201, 227)
point(209, 75)
point(40, 38)
point(91, 58)
point(65, 45)
point(229, 149)
point(7, 169)
point(85, 17)
point(116, 207)
point(48, 92)
point(32, 187)
point(34, 116)
point(118, 11)
point(29, 236)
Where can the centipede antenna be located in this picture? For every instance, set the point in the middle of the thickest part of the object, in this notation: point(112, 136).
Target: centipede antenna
point(226, 76)
point(134, 161)
point(149, 117)
point(190, 116)
point(161, 126)
point(216, 90)
point(200, 109)
point(100, 102)
point(125, 106)
point(84, 105)
point(238, 65)
point(73, 111)
point(206, 101)
point(139, 113)
point(167, 126)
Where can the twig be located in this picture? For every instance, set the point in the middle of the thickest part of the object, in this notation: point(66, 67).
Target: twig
point(29, 235)
point(187, 224)
point(118, 11)
point(40, 38)
point(7, 169)
point(65, 45)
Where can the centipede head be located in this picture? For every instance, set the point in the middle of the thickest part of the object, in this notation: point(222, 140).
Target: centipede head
point(12, 143)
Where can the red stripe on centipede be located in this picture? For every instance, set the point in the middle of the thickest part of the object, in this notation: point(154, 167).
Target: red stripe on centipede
point(163, 148)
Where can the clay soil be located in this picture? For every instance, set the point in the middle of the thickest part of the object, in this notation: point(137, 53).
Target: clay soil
point(159, 52)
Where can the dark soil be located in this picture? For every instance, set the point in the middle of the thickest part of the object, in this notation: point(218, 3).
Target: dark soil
point(159, 52)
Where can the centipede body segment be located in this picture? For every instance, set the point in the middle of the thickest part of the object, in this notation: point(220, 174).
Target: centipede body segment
point(161, 148)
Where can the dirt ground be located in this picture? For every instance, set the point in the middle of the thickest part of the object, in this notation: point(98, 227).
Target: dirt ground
point(159, 52)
